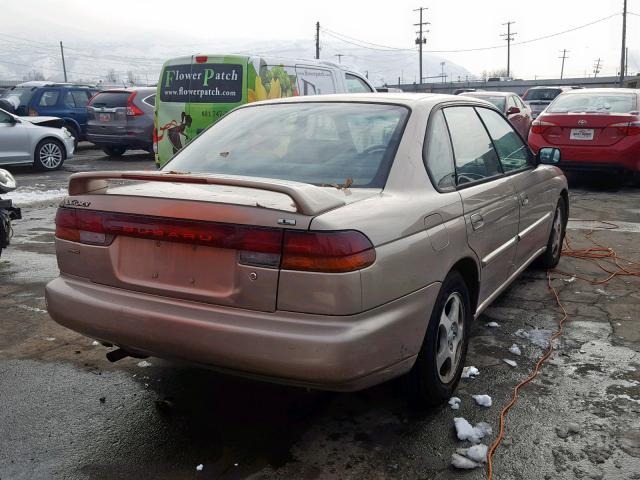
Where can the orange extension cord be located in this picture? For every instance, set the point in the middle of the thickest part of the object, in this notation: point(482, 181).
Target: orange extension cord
point(607, 260)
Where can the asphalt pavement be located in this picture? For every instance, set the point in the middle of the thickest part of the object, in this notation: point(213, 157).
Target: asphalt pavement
point(67, 413)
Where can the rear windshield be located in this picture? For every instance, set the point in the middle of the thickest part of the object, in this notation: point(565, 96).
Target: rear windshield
point(544, 94)
point(319, 143)
point(110, 99)
point(497, 101)
point(594, 102)
point(19, 96)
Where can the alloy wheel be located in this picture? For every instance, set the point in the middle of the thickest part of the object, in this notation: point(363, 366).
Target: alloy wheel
point(450, 335)
point(50, 155)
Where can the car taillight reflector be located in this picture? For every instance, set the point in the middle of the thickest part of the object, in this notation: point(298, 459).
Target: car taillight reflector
point(70, 223)
point(133, 110)
point(343, 251)
point(330, 252)
point(539, 126)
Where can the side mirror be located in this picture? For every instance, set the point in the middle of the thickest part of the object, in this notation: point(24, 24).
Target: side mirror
point(513, 110)
point(548, 156)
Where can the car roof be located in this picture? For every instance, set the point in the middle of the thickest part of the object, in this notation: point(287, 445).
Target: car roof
point(129, 90)
point(586, 91)
point(404, 98)
point(42, 83)
point(487, 93)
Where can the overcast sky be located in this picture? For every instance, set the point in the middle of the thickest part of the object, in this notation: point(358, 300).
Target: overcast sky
point(198, 25)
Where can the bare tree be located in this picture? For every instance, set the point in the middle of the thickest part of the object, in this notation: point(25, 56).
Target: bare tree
point(132, 78)
point(33, 75)
point(499, 72)
point(112, 76)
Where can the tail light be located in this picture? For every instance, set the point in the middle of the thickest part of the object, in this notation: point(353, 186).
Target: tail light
point(331, 252)
point(133, 110)
point(540, 126)
point(343, 251)
point(201, 59)
point(627, 128)
point(32, 112)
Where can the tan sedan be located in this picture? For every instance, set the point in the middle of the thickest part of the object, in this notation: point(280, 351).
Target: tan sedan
point(334, 242)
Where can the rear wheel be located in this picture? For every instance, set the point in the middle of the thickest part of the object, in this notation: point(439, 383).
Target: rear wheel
point(114, 150)
point(49, 154)
point(551, 256)
point(438, 368)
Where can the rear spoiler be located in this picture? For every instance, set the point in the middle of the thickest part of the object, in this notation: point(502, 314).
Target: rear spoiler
point(308, 199)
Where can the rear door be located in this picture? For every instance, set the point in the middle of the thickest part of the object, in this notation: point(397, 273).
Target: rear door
point(75, 101)
point(534, 191)
point(488, 197)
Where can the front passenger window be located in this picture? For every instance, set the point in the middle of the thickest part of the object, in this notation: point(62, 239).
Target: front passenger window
point(475, 157)
point(513, 152)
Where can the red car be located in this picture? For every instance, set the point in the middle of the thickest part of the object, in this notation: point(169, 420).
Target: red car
point(596, 129)
point(511, 106)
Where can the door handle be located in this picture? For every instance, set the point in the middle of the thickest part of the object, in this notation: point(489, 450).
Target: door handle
point(524, 199)
point(477, 221)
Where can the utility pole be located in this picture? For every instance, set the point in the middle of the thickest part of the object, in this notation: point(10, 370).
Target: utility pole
point(509, 38)
point(317, 40)
point(421, 40)
point(623, 50)
point(64, 66)
point(339, 55)
point(442, 74)
point(564, 55)
point(626, 61)
point(597, 67)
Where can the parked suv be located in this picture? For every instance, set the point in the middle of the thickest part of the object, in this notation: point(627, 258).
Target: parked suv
point(538, 98)
point(122, 119)
point(63, 100)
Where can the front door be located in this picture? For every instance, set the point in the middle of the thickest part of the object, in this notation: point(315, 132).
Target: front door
point(488, 197)
point(13, 140)
point(534, 190)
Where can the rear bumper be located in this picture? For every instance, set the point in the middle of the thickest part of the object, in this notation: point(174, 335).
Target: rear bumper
point(342, 353)
point(623, 156)
point(130, 141)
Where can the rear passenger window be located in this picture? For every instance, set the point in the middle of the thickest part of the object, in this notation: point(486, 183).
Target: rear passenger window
point(68, 100)
point(475, 157)
point(438, 155)
point(49, 98)
point(512, 151)
point(150, 100)
point(314, 81)
point(81, 97)
point(356, 84)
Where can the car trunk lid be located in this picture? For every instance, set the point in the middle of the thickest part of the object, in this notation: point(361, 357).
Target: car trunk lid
point(107, 113)
point(205, 238)
point(584, 129)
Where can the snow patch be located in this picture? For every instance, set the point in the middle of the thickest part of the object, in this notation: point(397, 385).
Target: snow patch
point(492, 324)
point(144, 364)
point(463, 463)
point(199, 467)
point(95, 343)
point(483, 400)
point(570, 280)
point(477, 453)
point(465, 431)
point(28, 195)
point(511, 363)
point(455, 403)
point(539, 338)
point(515, 349)
point(470, 372)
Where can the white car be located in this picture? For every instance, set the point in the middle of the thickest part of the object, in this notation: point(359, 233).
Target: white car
point(42, 141)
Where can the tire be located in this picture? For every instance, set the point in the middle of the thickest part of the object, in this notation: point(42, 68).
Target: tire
point(114, 150)
point(551, 256)
point(49, 154)
point(427, 385)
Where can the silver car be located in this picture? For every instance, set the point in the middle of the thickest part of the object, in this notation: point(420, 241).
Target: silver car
point(41, 141)
point(333, 242)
